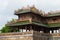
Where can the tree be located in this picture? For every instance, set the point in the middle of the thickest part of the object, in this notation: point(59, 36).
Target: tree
point(5, 29)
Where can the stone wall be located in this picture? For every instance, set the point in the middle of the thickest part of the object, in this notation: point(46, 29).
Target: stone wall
point(40, 36)
point(31, 35)
point(45, 36)
point(16, 36)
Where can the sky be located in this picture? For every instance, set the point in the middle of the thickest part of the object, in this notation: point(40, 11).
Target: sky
point(7, 7)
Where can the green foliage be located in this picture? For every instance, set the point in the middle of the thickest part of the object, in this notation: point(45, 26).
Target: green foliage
point(5, 29)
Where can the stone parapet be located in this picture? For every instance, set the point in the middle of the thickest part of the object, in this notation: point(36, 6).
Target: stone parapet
point(31, 35)
point(17, 36)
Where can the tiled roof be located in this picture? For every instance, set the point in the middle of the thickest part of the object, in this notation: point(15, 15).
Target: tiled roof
point(53, 25)
point(25, 11)
point(40, 24)
point(36, 23)
point(18, 23)
point(48, 15)
point(51, 15)
point(25, 23)
point(30, 9)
